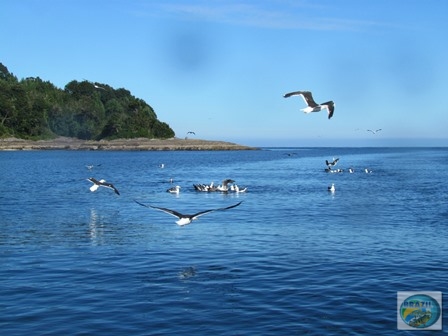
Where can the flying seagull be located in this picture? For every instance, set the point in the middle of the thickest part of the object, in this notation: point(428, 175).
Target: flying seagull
point(101, 183)
point(95, 85)
point(374, 132)
point(190, 132)
point(187, 219)
point(98, 87)
point(312, 105)
point(331, 164)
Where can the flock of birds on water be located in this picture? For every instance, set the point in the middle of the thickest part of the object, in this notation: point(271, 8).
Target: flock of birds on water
point(330, 168)
point(183, 219)
point(229, 185)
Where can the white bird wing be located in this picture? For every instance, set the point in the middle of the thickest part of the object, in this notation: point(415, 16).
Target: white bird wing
point(98, 87)
point(94, 187)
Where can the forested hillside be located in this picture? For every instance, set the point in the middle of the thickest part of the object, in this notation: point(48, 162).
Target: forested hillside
point(31, 108)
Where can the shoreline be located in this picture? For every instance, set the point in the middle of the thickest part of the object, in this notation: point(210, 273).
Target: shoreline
point(136, 144)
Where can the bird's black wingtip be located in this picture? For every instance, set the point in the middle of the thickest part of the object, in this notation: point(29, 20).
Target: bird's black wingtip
point(140, 203)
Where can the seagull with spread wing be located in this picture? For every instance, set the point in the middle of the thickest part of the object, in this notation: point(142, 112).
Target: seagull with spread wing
point(185, 219)
point(101, 183)
point(332, 163)
point(312, 105)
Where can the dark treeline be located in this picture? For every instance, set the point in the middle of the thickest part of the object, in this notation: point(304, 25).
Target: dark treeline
point(31, 108)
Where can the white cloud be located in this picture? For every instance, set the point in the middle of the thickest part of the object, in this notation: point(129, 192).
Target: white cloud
point(267, 14)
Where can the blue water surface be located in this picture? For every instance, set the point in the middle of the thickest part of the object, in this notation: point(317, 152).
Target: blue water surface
point(292, 259)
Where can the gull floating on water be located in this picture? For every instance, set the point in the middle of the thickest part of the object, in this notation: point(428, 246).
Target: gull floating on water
point(224, 186)
point(101, 183)
point(183, 218)
point(329, 170)
point(237, 189)
point(90, 167)
point(174, 190)
point(312, 105)
point(332, 188)
point(205, 187)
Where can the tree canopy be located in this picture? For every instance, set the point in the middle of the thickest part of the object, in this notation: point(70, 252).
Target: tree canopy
point(31, 108)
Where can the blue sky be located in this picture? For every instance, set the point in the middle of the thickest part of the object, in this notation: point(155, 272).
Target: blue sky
point(220, 68)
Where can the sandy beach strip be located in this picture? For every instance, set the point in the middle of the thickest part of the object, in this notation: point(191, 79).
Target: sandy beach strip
point(142, 144)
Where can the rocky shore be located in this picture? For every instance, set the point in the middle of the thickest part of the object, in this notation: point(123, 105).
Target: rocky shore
point(141, 144)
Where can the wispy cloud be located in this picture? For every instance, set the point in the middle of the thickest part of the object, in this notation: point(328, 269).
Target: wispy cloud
point(268, 14)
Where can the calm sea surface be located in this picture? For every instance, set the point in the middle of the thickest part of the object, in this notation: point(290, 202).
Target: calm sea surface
point(292, 259)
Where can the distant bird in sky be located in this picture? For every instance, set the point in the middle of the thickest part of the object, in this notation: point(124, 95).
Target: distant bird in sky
point(101, 183)
point(95, 85)
point(312, 105)
point(190, 132)
point(374, 131)
point(98, 87)
point(186, 219)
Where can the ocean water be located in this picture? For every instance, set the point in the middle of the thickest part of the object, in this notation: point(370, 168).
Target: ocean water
point(292, 259)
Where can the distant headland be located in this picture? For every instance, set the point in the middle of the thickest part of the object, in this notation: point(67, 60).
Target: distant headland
point(135, 144)
point(36, 115)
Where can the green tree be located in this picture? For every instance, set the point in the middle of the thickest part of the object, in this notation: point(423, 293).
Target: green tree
point(33, 108)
